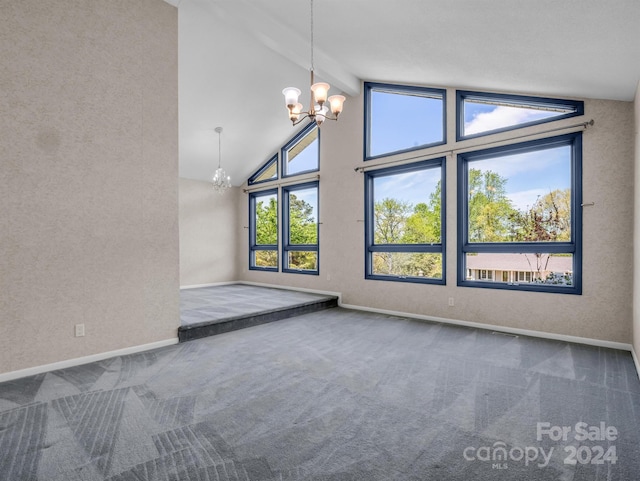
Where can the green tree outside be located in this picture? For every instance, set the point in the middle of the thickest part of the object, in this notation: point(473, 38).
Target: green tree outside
point(303, 230)
point(266, 232)
point(492, 218)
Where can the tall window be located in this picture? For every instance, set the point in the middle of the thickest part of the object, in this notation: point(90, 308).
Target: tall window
point(400, 118)
point(520, 212)
point(263, 230)
point(302, 153)
point(404, 222)
point(300, 249)
point(487, 113)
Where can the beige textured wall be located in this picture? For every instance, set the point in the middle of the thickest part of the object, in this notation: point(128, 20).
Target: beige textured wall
point(208, 233)
point(604, 311)
point(636, 270)
point(88, 178)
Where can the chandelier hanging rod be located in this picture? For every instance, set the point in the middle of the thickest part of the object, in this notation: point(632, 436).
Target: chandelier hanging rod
point(318, 111)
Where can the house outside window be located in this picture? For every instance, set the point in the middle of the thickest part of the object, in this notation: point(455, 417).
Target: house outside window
point(519, 215)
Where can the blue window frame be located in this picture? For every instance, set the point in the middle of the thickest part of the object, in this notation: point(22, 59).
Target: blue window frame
point(520, 216)
point(302, 153)
point(269, 171)
point(402, 118)
point(405, 222)
point(263, 230)
point(300, 233)
point(481, 113)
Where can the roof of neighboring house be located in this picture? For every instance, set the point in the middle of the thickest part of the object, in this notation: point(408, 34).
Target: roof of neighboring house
point(519, 262)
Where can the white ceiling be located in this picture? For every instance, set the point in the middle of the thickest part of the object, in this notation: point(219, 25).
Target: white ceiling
point(236, 56)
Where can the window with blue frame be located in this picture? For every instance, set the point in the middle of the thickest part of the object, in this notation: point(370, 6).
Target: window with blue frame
point(488, 113)
point(263, 230)
point(300, 246)
point(302, 153)
point(402, 118)
point(405, 222)
point(520, 216)
point(269, 171)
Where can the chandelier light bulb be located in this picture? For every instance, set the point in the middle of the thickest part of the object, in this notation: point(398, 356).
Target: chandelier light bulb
point(320, 114)
point(320, 91)
point(295, 112)
point(291, 95)
point(336, 102)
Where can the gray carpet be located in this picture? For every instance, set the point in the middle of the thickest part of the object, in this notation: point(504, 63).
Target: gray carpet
point(334, 395)
point(206, 304)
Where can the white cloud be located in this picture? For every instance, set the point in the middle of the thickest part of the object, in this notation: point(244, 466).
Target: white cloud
point(547, 160)
point(525, 199)
point(502, 117)
point(412, 187)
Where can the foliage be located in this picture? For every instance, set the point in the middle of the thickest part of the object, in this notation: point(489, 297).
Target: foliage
point(548, 220)
point(267, 222)
point(303, 230)
point(265, 258)
point(492, 218)
point(397, 222)
point(390, 217)
point(557, 278)
point(490, 210)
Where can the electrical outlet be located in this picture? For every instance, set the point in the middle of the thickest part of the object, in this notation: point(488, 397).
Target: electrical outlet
point(451, 302)
point(79, 330)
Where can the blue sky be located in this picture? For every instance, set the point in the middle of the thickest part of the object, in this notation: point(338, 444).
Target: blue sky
point(307, 159)
point(310, 196)
point(532, 174)
point(400, 122)
point(411, 187)
point(529, 175)
point(481, 117)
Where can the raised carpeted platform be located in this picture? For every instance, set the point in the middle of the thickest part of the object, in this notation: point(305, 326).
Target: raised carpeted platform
point(207, 311)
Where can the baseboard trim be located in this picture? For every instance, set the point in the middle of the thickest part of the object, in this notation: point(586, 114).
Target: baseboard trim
point(636, 361)
point(31, 371)
point(213, 284)
point(490, 327)
point(478, 325)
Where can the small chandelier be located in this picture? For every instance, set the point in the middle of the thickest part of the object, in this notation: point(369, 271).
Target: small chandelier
point(318, 111)
point(221, 181)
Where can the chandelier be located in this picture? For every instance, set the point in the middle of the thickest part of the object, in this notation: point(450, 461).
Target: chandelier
point(221, 181)
point(318, 111)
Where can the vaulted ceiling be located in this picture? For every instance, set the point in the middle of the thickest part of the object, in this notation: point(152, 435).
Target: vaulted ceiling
point(236, 56)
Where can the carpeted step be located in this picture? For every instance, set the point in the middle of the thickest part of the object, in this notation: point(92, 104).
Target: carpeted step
point(218, 326)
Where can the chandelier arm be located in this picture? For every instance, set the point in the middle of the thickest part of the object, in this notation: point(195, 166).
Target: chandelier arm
point(312, 117)
point(300, 119)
